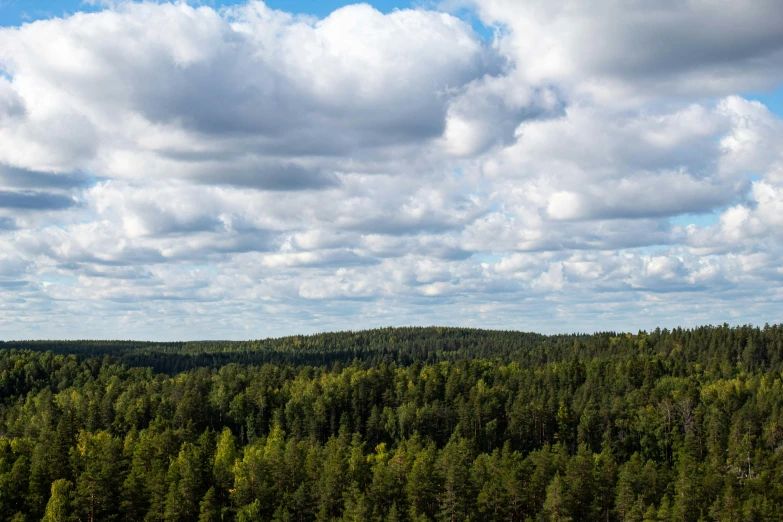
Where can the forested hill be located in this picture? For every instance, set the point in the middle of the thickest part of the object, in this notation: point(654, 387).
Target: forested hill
point(399, 345)
point(389, 425)
point(756, 348)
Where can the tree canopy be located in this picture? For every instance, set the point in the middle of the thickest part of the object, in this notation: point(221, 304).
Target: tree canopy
point(409, 424)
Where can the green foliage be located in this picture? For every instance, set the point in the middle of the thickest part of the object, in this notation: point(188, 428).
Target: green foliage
point(58, 509)
point(413, 424)
point(209, 510)
point(556, 506)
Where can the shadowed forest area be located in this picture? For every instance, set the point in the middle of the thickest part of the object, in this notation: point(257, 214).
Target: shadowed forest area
point(397, 424)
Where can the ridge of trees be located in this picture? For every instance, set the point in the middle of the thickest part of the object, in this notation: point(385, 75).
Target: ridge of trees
point(426, 345)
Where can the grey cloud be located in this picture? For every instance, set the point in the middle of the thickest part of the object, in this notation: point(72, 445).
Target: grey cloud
point(729, 33)
point(258, 241)
point(190, 246)
point(14, 285)
point(125, 256)
point(35, 200)
point(140, 276)
point(11, 105)
point(633, 235)
point(30, 179)
point(214, 99)
point(198, 156)
point(499, 233)
point(445, 247)
point(397, 226)
point(7, 223)
point(163, 226)
point(679, 47)
point(347, 259)
point(445, 252)
point(646, 198)
point(488, 112)
point(267, 175)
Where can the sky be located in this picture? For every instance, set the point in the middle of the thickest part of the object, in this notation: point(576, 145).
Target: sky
point(239, 170)
point(16, 12)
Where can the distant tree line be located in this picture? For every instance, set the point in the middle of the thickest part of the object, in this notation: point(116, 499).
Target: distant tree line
point(414, 424)
point(753, 346)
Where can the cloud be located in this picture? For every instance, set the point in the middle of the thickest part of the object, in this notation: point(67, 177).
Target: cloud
point(7, 223)
point(34, 200)
point(746, 227)
point(640, 197)
point(154, 88)
point(26, 179)
point(11, 104)
point(175, 171)
point(642, 50)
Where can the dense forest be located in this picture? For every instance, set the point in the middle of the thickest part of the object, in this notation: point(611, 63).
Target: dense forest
point(408, 424)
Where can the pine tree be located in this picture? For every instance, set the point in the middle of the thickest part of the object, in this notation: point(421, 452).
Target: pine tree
point(99, 459)
point(393, 515)
point(223, 466)
point(145, 470)
point(628, 486)
point(581, 484)
point(543, 471)
point(651, 515)
point(250, 513)
point(556, 506)
point(187, 479)
point(488, 474)
point(686, 503)
point(454, 464)
point(209, 510)
point(727, 507)
point(14, 484)
point(357, 507)
point(605, 479)
point(332, 479)
point(422, 488)
point(664, 510)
